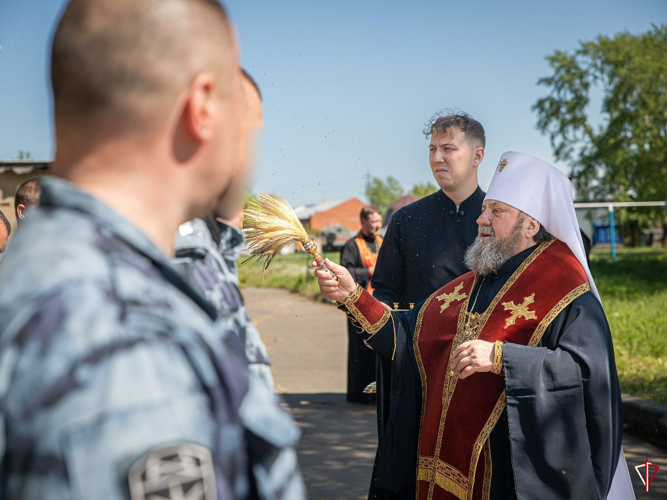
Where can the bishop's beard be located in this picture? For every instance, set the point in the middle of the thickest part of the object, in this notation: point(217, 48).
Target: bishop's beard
point(486, 257)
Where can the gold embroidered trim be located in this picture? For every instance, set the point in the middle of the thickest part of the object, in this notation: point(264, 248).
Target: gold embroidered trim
point(360, 318)
point(488, 471)
point(422, 372)
point(497, 367)
point(500, 404)
point(354, 296)
point(557, 309)
point(446, 476)
point(450, 381)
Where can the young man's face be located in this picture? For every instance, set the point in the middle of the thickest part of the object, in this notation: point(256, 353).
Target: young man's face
point(371, 225)
point(452, 158)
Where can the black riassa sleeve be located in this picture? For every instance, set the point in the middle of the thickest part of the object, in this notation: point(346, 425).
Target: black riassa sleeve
point(389, 277)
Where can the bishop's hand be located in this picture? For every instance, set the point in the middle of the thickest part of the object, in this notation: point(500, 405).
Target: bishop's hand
point(473, 356)
point(339, 289)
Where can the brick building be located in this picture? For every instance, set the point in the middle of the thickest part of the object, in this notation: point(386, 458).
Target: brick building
point(342, 212)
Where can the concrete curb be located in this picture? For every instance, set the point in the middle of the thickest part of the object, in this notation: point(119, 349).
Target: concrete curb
point(645, 419)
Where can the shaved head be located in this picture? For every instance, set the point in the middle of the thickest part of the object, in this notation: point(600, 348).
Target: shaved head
point(124, 63)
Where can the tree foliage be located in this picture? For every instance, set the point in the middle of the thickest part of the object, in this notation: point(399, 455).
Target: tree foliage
point(421, 190)
point(617, 152)
point(382, 193)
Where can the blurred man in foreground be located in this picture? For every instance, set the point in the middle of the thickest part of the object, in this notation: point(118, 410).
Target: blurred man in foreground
point(520, 391)
point(359, 256)
point(117, 381)
point(207, 248)
point(26, 197)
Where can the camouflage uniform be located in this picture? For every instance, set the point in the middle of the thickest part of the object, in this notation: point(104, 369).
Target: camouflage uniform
point(212, 267)
point(112, 365)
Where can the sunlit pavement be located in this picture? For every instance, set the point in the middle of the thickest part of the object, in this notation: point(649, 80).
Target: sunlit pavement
point(307, 342)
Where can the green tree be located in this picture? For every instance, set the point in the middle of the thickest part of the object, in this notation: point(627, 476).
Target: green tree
point(24, 155)
point(617, 152)
point(382, 193)
point(421, 190)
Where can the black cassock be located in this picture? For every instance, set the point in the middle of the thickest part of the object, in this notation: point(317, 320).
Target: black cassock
point(422, 250)
point(360, 359)
point(563, 405)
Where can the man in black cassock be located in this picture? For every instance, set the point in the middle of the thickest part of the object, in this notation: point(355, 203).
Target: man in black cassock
point(514, 359)
point(423, 249)
point(359, 256)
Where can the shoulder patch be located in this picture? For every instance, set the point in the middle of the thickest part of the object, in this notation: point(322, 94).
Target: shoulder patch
point(178, 471)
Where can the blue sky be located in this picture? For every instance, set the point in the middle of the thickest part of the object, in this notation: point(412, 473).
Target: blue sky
point(348, 85)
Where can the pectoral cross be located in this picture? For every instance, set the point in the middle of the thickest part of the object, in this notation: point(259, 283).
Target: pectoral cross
point(520, 311)
point(448, 298)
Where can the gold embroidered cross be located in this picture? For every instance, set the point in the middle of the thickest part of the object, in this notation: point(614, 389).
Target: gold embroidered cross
point(450, 297)
point(520, 311)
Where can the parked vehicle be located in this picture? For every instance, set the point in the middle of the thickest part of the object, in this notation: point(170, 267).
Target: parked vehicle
point(334, 237)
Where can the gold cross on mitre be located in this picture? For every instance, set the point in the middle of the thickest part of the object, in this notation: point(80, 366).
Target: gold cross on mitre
point(450, 297)
point(520, 311)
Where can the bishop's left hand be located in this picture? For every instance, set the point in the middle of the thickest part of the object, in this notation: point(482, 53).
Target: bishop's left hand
point(473, 356)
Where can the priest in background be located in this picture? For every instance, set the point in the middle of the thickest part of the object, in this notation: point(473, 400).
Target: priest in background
point(359, 256)
point(520, 395)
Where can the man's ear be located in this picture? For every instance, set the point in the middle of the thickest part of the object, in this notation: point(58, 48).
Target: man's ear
point(200, 111)
point(20, 211)
point(532, 228)
point(479, 156)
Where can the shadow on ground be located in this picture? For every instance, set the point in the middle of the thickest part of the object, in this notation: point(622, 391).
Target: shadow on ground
point(338, 445)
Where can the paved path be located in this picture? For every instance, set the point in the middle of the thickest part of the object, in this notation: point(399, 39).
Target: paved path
point(308, 344)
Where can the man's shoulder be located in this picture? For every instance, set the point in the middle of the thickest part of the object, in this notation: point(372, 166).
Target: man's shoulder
point(419, 207)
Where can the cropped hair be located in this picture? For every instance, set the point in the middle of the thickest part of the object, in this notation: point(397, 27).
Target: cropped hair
point(443, 121)
point(367, 211)
point(28, 193)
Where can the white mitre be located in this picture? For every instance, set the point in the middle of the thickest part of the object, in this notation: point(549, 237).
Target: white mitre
point(545, 193)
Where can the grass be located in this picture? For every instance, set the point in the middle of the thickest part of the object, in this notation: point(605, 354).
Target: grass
point(633, 291)
point(291, 272)
point(634, 294)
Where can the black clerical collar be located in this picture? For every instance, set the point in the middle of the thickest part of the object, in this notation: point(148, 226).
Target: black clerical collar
point(514, 262)
point(369, 239)
point(472, 202)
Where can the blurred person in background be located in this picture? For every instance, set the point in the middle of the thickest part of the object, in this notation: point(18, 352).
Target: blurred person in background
point(119, 379)
point(26, 197)
point(5, 232)
point(359, 256)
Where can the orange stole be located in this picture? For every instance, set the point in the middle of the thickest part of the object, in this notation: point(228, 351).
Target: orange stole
point(368, 258)
point(459, 415)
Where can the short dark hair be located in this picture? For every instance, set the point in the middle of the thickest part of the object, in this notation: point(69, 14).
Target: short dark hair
point(444, 120)
point(367, 211)
point(253, 82)
point(123, 59)
point(28, 193)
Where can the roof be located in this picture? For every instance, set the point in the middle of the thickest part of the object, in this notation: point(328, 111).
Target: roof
point(304, 212)
point(22, 167)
